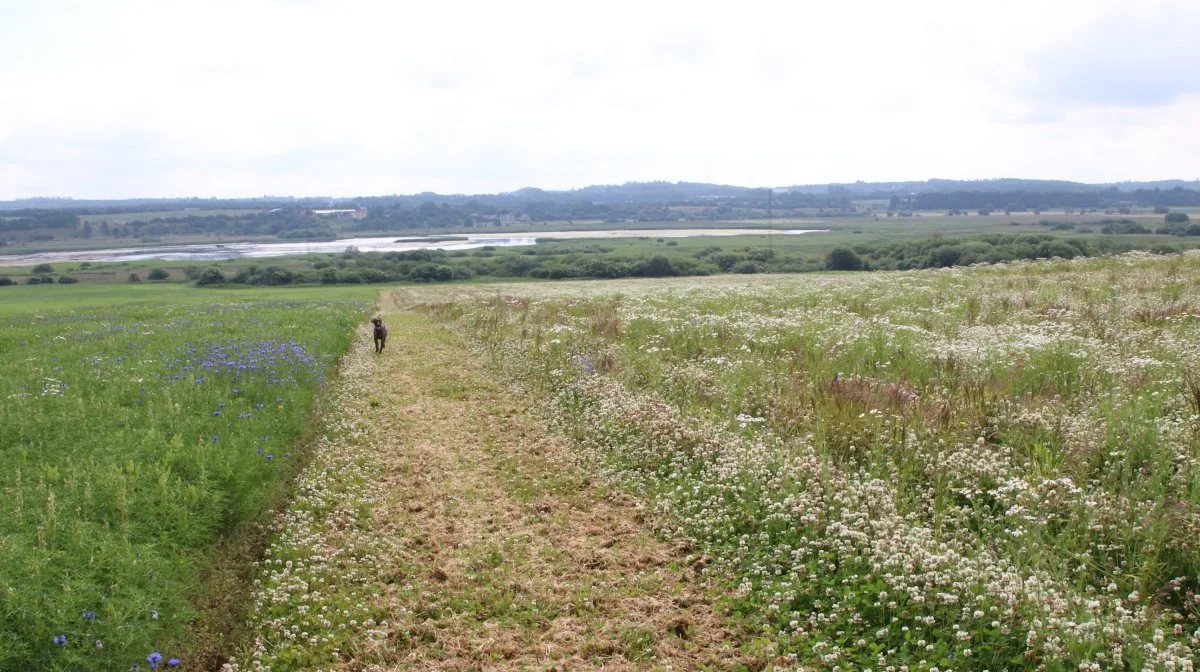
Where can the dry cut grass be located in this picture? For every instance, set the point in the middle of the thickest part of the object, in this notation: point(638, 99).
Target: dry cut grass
point(509, 557)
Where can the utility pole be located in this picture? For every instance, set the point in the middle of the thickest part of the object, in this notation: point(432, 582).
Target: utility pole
point(770, 226)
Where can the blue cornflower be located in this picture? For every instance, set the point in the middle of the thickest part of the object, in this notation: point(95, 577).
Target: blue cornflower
point(236, 390)
point(221, 404)
point(259, 404)
point(174, 662)
point(199, 380)
point(216, 438)
point(89, 615)
point(216, 412)
point(60, 639)
point(270, 457)
point(154, 659)
point(260, 451)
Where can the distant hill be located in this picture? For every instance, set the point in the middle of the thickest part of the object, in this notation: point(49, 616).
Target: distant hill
point(660, 192)
point(1006, 184)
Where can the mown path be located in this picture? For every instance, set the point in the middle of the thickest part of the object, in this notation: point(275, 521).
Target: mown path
point(507, 556)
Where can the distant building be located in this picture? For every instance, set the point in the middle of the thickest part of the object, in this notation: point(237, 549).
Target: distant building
point(346, 213)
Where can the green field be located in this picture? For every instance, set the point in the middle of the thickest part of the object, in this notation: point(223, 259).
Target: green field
point(971, 469)
point(126, 217)
point(143, 427)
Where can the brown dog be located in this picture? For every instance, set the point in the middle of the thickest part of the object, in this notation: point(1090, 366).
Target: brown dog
point(380, 333)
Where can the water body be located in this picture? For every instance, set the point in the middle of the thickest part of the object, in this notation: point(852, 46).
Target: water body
point(378, 244)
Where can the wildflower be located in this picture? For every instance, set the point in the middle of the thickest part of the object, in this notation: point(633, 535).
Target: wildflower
point(173, 662)
point(216, 412)
point(154, 659)
point(99, 645)
point(154, 612)
point(270, 457)
point(60, 639)
point(89, 615)
point(216, 438)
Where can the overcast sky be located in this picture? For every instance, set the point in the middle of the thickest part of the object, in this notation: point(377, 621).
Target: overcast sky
point(109, 99)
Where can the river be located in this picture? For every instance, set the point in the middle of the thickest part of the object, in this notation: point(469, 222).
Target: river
point(377, 244)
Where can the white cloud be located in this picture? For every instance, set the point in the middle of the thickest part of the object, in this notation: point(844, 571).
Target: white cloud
point(111, 99)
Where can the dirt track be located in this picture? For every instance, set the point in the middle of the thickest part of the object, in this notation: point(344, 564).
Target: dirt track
point(509, 557)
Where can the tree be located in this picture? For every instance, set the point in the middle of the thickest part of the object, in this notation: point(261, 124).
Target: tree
point(158, 274)
point(843, 259)
point(42, 268)
point(1176, 218)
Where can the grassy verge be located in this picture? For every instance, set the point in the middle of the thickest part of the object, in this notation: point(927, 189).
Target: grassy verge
point(987, 468)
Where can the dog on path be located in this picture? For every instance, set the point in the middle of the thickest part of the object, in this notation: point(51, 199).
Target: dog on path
point(380, 333)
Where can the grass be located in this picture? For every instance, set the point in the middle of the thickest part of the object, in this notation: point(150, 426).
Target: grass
point(985, 468)
point(142, 425)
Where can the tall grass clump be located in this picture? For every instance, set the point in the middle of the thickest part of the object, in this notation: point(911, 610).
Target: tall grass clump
point(136, 430)
point(981, 468)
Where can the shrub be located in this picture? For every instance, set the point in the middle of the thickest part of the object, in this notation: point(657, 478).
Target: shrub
point(5, 281)
point(843, 259)
point(747, 267)
point(211, 276)
point(1176, 218)
point(429, 272)
point(42, 268)
point(133, 277)
point(158, 274)
point(65, 280)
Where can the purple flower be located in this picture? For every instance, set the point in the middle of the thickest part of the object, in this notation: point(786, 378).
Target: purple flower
point(154, 659)
point(60, 639)
point(216, 412)
point(270, 457)
point(174, 662)
point(89, 615)
point(221, 404)
point(216, 438)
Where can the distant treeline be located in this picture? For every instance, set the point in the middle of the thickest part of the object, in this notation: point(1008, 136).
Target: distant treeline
point(295, 220)
point(937, 252)
point(1025, 201)
point(595, 261)
point(28, 221)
